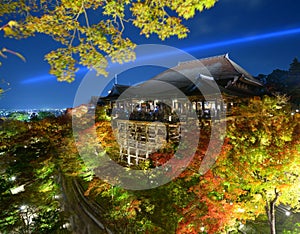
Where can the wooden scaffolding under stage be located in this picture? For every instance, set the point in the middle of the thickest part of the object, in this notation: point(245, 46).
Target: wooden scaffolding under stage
point(138, 139)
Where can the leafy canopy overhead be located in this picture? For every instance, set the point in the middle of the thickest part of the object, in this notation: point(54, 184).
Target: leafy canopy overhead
point(90, 31)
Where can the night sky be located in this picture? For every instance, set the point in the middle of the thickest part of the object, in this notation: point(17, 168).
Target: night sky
point(260, 35)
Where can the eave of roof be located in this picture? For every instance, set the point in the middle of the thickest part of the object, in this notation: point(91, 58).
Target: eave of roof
point(220, 67)
point(201, 73)
point(116, 90)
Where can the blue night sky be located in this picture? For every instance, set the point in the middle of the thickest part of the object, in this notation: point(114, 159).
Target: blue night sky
point(260, 35)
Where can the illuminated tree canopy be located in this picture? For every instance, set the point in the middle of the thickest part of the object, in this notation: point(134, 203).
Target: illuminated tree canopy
point(91, 31)
point(257, 170)
point(260, 164)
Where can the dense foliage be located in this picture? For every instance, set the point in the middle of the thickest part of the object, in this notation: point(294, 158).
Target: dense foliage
point(30, 177)
point(256, 172)
point(259, 167)
point(259, 158)
point(88, 31)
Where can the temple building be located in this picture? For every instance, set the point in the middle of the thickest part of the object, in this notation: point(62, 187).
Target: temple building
point(193, 85)
point(160, 108)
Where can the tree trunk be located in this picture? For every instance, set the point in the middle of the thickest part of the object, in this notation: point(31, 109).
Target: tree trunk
point(270, 209)
point(272, 218)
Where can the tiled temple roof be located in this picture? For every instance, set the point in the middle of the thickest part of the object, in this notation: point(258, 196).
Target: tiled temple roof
point(189, 76)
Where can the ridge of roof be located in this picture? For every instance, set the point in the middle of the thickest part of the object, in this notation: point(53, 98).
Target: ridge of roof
point(121, 85)
point(204, 59)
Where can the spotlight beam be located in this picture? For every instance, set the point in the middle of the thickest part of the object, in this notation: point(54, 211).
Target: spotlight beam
point(193, 49)
point(240, 40)
point(38, 79)
point(48, 77)
point(243, 40)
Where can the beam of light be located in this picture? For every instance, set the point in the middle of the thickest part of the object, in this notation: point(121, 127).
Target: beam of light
point(213, 45)
point(162, 54)
point(244, 40)
point(48, 77)
point(38, 79)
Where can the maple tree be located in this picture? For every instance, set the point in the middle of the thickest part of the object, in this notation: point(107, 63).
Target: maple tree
point(208, 210)
point(260, 166)
point(257, 170)
point(89, 31)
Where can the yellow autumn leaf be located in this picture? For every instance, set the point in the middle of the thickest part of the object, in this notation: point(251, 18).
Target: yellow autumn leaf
point(13, 23)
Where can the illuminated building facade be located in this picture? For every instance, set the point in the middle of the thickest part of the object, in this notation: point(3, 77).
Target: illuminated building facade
point(208, 86)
